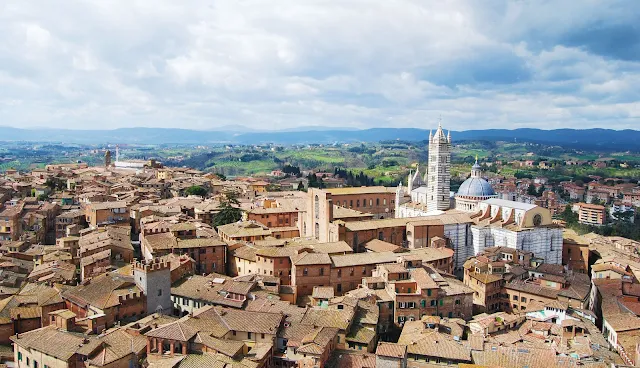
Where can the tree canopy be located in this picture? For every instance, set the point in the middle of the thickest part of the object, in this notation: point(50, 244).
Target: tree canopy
point(229, 209)
point(196, 190)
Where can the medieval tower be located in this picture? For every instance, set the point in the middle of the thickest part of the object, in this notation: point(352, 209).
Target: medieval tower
point(439, 174)
point(154, 279)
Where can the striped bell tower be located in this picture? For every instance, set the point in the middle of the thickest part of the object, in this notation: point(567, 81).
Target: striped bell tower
point(439, 172)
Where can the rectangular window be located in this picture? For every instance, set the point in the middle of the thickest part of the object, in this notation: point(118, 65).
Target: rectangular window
point(423, 303)
point(19, 356)
point(441, 302)
point(248, 335)
point(428, 292)
point(364, 270)
point(523, 299)
point(433, 303)
point(321, 271)
point(305, 272)
point(515, 297)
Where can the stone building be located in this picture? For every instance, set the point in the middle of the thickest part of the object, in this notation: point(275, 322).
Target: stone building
point(429, 194)
point(154, 279)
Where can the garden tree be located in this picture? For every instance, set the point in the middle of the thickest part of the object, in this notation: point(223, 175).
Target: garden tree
point(300, 186)
point(522, 174)
point(597, 201)
point(531, 190)
point(221, 176)
point(292, 170)
point(54, 184)
point(623, 216)
point(570, 217)
point(229, 209)
point(196, 190)
point(273, 187)
point(541, 190)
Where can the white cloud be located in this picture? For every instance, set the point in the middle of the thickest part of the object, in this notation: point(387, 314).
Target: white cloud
point(286, 63)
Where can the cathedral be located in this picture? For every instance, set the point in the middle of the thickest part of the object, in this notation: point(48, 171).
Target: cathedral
point(491, 221)
point(430, 195)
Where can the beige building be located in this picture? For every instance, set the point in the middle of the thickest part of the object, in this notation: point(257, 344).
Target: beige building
point(590, 214)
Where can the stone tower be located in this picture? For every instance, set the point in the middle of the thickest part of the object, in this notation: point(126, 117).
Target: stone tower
point(154, 279)
point(107, 159)
point(439, 174)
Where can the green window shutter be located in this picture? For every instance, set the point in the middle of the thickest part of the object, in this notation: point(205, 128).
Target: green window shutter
point(423, 303)
point(441, 302)
point(428, 292)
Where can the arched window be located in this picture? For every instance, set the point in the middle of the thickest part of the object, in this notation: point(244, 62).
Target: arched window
point(317, 207)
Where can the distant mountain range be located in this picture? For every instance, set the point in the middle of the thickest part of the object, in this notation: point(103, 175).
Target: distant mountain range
point(605, 139)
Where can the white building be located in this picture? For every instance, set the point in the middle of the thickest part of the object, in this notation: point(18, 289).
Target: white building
point(516, 225)
point(429, 195)
point(473, 191)
point(622, 207)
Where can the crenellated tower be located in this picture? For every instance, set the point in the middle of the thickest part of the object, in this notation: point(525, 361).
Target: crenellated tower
point(154, 279)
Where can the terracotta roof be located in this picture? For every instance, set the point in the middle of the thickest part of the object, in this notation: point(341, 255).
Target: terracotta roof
point(348, 359)
point(361, 335)
point(485, 278)
point(391, 350)
point(530, 288)
point(332, 247)
point(51, 341)
point(361, 259)
point(499, 356)
point(323, 292)
point(103, 291)
point(340, 319)
point(306, 258)
point(116, 345)
point(379, 246)
point(433, 344)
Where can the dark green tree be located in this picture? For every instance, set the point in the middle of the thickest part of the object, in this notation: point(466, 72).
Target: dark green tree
point(570, 217)
point(229, 209)
point(196, 190)
point(531, 190)
point(541, 190)
point(300, 186)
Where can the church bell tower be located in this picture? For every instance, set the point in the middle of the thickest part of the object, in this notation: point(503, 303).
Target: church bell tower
point(439, 173)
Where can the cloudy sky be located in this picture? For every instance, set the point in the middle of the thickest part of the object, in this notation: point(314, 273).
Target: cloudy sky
point(282, 64)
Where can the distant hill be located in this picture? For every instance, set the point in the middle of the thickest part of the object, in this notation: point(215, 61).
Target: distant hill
point(605, 139)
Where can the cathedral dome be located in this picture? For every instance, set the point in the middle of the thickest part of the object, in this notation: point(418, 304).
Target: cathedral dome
point(476, 187)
